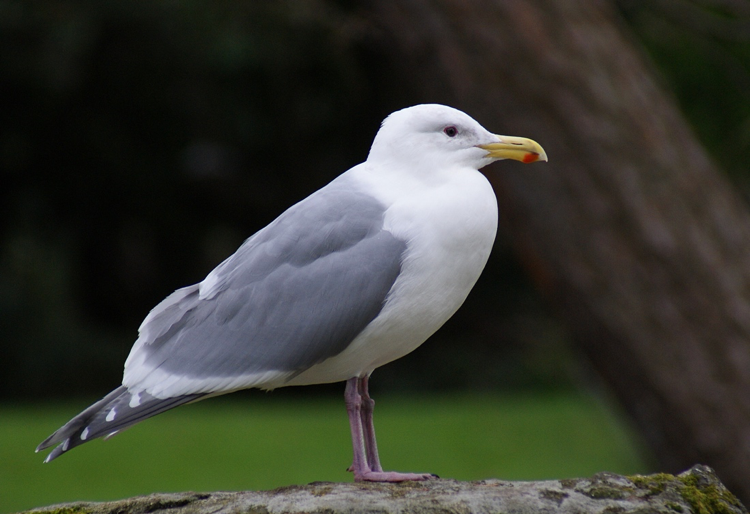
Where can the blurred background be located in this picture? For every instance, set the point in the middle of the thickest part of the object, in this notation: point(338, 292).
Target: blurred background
point(142, 141)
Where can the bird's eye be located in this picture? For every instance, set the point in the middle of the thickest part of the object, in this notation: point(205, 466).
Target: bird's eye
point(450, 131)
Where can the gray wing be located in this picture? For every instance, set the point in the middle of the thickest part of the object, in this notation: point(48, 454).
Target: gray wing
point(294, 294)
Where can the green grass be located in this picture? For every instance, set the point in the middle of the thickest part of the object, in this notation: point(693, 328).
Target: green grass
point(262, 444)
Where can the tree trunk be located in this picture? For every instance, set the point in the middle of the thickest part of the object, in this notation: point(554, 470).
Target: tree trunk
point(631, 232)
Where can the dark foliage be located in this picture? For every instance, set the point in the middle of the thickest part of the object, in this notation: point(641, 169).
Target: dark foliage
point(142, 141)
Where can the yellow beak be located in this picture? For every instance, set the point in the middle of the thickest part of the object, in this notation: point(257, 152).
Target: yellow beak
point(516, 148)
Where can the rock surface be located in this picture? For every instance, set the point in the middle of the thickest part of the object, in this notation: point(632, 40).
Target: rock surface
point(697, 490)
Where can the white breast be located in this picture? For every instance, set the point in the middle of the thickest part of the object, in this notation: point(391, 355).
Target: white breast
point(449, 226)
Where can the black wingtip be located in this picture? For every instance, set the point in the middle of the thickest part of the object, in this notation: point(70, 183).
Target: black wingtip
point(62, 448)
point(107, 417)
point(69, 435)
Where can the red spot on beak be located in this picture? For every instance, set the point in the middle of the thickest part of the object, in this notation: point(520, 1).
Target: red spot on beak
point(530, 157)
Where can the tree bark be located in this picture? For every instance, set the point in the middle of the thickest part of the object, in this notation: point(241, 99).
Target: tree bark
point(631, 232)
point(698, 490)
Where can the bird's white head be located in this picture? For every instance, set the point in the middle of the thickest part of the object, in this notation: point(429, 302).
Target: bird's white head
point(432, 133)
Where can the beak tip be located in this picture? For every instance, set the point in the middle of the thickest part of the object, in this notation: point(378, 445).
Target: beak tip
point(534, 157)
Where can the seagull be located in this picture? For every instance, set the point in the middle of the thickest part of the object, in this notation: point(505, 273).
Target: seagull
point(356, 275)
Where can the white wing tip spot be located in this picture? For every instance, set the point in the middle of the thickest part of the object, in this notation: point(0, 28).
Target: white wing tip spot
point(135, 400)
point(85, 434)
point(111, 415)
point(66, 445)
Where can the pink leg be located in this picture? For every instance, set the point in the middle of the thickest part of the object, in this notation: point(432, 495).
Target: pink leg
point(353, 408)
point(366, 464)
point(368, 426)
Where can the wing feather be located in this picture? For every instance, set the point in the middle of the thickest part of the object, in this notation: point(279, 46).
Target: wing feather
point(294, 294)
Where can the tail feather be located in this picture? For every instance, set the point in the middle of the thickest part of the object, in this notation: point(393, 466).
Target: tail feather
point(117, 411)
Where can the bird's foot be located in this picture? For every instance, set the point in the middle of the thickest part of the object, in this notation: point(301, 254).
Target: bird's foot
point(391, 476)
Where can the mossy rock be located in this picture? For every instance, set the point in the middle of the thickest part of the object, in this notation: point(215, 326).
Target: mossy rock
point(697, 491)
